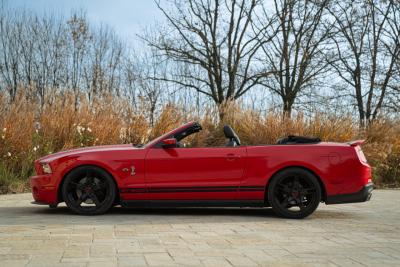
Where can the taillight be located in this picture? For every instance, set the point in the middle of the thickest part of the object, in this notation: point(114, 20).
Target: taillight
point(361, 155)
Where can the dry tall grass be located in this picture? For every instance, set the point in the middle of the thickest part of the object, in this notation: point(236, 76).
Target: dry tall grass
point(26, 133)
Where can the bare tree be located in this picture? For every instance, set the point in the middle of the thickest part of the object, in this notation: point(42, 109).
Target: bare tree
point(79, 34)
point(296, 55)
point(368, 45)
point(104, 66)
point(393, 101)
point(147, 90)
point(220, 50)
point(10, 48)
point(216, 37)
point(44, 55)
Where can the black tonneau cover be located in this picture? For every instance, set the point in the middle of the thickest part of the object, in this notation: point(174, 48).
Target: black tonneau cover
point(293, 139)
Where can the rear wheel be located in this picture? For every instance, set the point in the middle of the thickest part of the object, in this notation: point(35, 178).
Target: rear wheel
point(294, 193)
point(89, 190)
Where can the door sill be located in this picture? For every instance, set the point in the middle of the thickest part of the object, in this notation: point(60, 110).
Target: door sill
point(192, 203)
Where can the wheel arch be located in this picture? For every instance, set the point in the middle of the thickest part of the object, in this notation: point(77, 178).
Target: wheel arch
point(61, 183)
point(321, 183)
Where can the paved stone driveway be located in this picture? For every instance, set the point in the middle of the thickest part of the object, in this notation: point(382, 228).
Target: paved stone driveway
point(359, 234)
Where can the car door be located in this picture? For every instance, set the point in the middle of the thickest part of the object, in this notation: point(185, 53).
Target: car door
point(194, 173)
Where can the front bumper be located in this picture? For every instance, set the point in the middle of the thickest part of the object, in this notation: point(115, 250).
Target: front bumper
point(361, 196)
point(42, 190)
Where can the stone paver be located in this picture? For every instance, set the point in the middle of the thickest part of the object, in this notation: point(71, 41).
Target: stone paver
point(364, 234)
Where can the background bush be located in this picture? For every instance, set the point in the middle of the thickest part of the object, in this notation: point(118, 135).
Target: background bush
point(28, 133)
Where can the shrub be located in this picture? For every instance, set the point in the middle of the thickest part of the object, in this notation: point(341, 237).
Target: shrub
point(28, 131)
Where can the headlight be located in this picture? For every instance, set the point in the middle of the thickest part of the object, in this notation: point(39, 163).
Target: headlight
point(46, 168)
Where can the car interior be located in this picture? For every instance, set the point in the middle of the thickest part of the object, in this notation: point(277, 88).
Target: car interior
point(232, 138)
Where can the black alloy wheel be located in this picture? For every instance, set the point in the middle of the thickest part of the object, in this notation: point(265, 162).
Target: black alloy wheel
point(89, 190)
point(294, 193)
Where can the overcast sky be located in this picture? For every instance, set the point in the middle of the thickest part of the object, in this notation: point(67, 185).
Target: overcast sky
point(127, 17)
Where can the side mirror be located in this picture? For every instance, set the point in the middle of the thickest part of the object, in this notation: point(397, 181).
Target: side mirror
point(169, 142)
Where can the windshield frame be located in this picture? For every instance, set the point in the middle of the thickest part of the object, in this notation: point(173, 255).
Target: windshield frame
point(155, 141)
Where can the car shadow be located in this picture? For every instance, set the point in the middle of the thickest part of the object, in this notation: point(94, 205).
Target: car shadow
point(37, 215)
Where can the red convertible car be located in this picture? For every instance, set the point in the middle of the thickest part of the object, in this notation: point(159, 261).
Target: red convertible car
point(292, 177)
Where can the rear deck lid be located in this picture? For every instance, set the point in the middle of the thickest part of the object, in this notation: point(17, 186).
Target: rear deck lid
point(356, 143)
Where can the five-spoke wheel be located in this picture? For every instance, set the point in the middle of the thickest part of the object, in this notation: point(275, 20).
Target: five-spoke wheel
point(294, 193)
point(89, 190)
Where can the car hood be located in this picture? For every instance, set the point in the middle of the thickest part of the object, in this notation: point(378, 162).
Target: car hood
point(77, 151)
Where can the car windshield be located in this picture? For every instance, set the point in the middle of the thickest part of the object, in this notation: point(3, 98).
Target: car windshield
point(156, 140)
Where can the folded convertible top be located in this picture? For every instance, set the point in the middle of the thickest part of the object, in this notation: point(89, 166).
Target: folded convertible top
point(293, 139)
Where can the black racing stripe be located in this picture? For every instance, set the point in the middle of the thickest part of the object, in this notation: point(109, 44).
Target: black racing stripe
point(133, 190)
point(251, 188)
point(194, 203)
point(192, 189)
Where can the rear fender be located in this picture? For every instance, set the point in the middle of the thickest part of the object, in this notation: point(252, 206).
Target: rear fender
point(311, 170)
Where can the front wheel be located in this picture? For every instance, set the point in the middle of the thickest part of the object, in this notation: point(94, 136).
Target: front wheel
point(89, 190)
point(294, 193)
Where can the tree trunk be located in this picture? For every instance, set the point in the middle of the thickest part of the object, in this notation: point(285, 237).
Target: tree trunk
point(287, 107)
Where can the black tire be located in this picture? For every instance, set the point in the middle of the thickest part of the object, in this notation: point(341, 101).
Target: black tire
point(89, 190)
point(294, 193)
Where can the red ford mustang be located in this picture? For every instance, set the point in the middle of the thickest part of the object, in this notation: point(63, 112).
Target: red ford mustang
point(292, 177)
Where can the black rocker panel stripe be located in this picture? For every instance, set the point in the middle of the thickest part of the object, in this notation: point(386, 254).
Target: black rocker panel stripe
point(193, 203)
point(192, 189)
point(251, 188)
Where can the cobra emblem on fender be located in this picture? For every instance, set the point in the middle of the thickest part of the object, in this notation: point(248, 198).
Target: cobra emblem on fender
point(133, 172)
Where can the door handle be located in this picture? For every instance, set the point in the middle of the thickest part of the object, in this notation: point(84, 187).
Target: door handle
point(231, 156)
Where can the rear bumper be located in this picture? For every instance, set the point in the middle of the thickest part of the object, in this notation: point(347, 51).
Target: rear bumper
point(361, 196)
